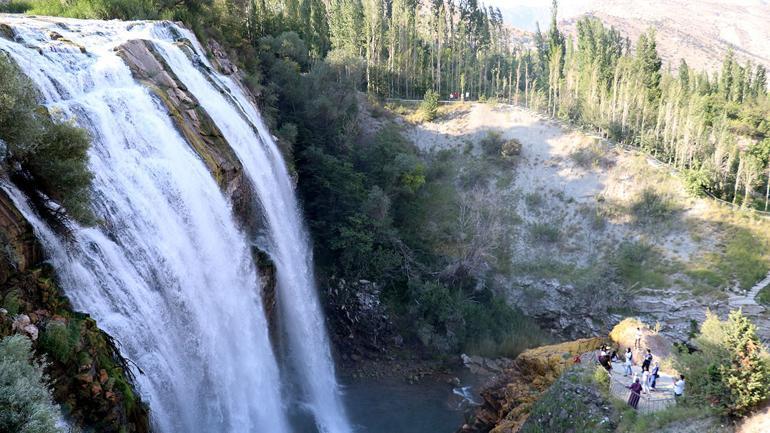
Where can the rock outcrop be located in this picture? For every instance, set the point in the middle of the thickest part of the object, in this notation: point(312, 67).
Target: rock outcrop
point(192, 121)
point(563, 309)
point(20, 250)
point(360, 321)
point(509, 396)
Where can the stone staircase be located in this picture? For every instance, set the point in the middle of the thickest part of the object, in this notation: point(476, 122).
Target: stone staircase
point(747, 301)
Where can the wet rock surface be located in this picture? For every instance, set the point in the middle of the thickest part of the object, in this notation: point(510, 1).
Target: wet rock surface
point(194, 124)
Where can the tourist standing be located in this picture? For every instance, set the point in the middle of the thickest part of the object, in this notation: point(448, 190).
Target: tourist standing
point(654, 375)
point(638, 340)
point(645, 382)
point(633, 398)
point(628, 363)
point(679, 386)
point(647, 361)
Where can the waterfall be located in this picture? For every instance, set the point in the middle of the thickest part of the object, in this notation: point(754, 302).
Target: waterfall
point(167, 272)
point(301, 315)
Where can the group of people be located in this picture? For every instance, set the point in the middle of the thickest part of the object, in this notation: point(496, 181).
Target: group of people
point(643, 384)
point(649, 377)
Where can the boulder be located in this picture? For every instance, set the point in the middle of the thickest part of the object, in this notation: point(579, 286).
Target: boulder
point(23, 325)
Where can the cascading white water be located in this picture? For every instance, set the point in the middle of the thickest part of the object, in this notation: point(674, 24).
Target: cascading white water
point(167, 272)
point(242, 126)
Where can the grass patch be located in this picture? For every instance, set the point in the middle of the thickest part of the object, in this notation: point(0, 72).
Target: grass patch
point(742, 257)
point(546, 233)
point(638, 264)
point(632, 421)
point(763, 297)
point(590, 156)
point(651, 206)
point(534, 199)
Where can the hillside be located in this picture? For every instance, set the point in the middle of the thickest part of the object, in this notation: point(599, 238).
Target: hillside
point(598, 231)
point(701, 32)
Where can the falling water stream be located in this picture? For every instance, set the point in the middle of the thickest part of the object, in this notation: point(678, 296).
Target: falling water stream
point(167, 272)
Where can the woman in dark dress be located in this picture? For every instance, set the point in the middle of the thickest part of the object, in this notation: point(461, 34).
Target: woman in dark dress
point(633, 398)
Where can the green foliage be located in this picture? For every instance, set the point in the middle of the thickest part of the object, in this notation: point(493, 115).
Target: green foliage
point(429, 105)
point(763, 297)
point(573, 404)
point(747, 375)
point(60, 340)
point(730, 368)
point(54, 153)
point(547, 233)
point(651, 206)
point(97, 9)
point(669, 419)
point(26, 405)
point(601, 378)
point(697, 182)
point(637, 264)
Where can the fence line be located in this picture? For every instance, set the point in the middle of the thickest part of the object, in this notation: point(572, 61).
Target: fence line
point(646, 403)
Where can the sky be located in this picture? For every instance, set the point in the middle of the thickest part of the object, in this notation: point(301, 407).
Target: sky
point(525, 13)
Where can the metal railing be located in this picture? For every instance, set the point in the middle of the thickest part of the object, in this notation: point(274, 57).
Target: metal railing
point(650, 402)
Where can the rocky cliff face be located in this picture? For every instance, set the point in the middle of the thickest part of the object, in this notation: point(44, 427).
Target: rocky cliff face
point(509, 396)
point(19, 247)
point(90, 380)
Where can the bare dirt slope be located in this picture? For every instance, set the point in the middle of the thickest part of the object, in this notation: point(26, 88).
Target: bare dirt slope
point(699, 31)
point(602, 232)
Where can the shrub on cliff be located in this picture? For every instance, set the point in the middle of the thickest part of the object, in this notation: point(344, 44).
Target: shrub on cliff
point(26, 405)
point(53, 153)
point(730, 369)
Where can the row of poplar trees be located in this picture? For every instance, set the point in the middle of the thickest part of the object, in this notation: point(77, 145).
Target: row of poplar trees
point(716, 128)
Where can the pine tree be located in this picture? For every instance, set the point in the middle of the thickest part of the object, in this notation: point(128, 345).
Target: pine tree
point(747, 377)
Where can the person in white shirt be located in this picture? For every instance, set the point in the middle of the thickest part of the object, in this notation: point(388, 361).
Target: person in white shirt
point(645, 382)
point(679, 386)
point(628, 363)
point(638, 340)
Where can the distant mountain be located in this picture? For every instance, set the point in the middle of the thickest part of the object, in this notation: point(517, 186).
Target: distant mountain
point(700, 31)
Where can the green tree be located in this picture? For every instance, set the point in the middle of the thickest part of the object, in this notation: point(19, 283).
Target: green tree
point(53, 152)
point(429, 105)
point(746, 376)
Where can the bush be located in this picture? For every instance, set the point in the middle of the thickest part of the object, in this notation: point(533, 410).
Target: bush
point(545, 233)
point(729, 369)
point(492, 144)
point(60, 340)
point(650, 206)
point(510, 149)
point(637, 264)
point(588, 157)
point(429, 105)
point(53, 153)
point(601, 377)
point(26, 404)
point(696, 182)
